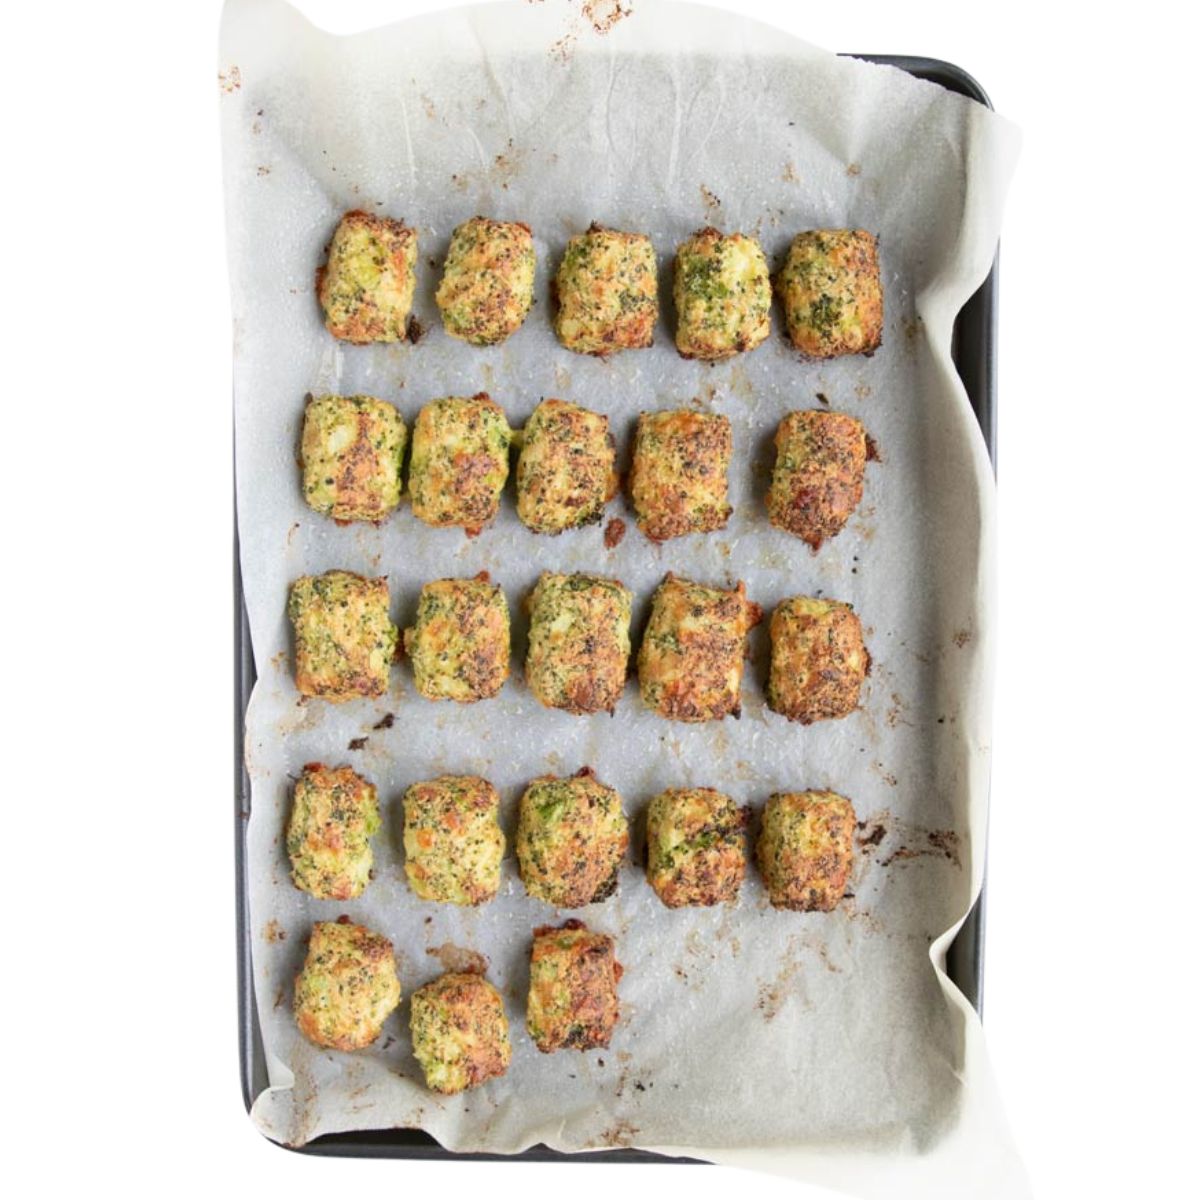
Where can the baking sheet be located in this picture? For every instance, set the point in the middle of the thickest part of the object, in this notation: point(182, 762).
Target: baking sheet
point(798, 1041)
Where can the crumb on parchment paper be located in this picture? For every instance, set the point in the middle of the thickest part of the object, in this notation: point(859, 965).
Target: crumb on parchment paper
point(614, 531)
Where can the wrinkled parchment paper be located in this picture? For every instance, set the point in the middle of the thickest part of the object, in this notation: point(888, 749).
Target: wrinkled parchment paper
point(827, 1046)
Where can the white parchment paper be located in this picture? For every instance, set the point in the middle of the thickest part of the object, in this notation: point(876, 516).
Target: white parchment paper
point(829, 1046)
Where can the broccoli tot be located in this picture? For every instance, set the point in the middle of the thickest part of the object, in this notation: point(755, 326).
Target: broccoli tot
point(722, 295)
point(806, 849)
point(578, 642)
point(571, 838)
point(459, 461)
point(573, 977)
point(335, 813)
point(818, 479)
point(695, 847)
point(832, 294)
point(693, 651)
point(679, 483)
point(452, 839)
point(351, 449)
point(818, 660)
point(566, 471)
point(606, 292)
point(459, 646)
point(487, 288)
point(345, 639)
point(347, 987)
point(366, 285)
point(459, 1032)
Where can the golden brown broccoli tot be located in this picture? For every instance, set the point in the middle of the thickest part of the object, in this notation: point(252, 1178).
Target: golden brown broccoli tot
point(366, 285)
point(818, 660)
point(573, 977)
point(578, 642)
point(832, 295)
point(347, 987)
point(606, 292)
point(459, 1032)
point(693, 651)
point(566, 471)
point(679, 482)
point(806, 849)
point(487, 288)
point(351, 449)
point(345, 639)
point(459, 461)
point(695, 847)
point(452, 839)
point(818, 480)
point(459, 646)
point(571, 838)
point(335, 813)
point(722, 295)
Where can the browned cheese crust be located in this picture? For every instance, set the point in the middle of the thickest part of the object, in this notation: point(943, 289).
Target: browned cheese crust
point(818, 660)
point(366, 285)
point(806, 849)
point(832, 295)
point(573, 976)
point(679, 481)
point(818, 479)
point(693, 651)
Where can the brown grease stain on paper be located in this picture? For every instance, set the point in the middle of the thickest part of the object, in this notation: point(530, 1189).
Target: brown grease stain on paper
point(502, 171)
point(459, 959)
point(621, 1134)
point(788, 983)
point(907, 842)
point(939, 843)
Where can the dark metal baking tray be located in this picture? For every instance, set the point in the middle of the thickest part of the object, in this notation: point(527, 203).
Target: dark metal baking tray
point(974, 352)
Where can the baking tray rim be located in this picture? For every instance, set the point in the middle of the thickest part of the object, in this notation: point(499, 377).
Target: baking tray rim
point(974, 353)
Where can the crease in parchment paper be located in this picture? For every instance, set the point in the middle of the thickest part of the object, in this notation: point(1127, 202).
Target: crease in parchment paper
point(827, 1046)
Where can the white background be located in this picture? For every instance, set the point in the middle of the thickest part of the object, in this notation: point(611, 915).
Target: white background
point(118, 646)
